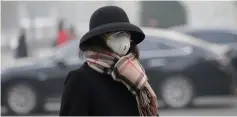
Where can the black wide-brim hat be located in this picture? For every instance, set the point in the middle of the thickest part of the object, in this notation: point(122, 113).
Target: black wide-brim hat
point(110, 19)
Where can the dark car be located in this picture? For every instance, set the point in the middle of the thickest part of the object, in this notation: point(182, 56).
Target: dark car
point(181, 67)
point(178, 70)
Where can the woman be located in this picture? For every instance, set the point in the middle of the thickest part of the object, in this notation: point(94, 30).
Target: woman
point(111, 82)
point(62, 36)
point(21, 49)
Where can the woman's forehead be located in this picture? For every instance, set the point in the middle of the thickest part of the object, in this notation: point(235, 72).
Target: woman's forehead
point(116, 34)
point(119, 32)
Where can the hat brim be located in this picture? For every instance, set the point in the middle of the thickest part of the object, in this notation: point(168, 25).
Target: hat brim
point(137, 34)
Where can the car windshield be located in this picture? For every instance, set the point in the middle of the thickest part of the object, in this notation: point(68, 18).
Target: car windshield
point(153, 43)
point(176, 36)
point(216, 37)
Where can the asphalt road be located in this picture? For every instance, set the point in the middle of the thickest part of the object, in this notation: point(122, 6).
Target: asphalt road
point(218, 106)
point(208, 106)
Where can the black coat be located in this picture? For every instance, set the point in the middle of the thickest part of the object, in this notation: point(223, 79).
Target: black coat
point(89, 93)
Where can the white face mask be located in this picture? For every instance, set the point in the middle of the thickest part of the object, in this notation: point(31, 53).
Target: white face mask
point(119, 42)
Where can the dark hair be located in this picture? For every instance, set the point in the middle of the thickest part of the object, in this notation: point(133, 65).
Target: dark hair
point(100, 44)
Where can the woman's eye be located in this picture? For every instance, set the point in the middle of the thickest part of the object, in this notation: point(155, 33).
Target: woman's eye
point(121, 34)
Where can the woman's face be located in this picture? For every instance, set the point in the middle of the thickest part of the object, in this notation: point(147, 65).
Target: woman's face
point(113, 45)
point(118, 42)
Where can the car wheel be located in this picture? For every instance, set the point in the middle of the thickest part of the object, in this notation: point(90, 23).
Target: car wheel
point(177, 91)
point(22, 99)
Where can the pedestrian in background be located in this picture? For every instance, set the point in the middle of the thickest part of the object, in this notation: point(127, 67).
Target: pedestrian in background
point(62, 35)
point(112, 81)
point(21, 48)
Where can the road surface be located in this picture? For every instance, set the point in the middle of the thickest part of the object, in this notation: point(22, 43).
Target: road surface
point(212, 106)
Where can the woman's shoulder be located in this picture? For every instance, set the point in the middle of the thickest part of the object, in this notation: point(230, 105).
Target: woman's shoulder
point(81, 74)
point(75, 75)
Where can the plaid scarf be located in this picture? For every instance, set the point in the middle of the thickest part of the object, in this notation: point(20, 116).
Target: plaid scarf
point(128, 71)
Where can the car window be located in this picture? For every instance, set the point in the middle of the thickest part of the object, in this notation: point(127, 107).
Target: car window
point(163, 46)
point(152, 43)
point(216, 37)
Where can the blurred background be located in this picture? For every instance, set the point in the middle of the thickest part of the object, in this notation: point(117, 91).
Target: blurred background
point(39, 46)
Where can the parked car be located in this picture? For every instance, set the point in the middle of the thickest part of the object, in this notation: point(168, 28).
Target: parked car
point(179, 68)
point(182, 67)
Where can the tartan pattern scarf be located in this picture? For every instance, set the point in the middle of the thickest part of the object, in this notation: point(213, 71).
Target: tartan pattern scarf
point(128, 71)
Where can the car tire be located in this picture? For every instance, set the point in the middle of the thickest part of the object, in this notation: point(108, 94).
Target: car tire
point(23, 99)
point(177, 92)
